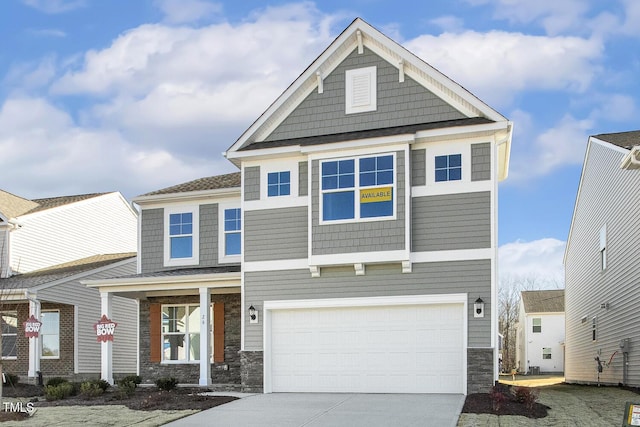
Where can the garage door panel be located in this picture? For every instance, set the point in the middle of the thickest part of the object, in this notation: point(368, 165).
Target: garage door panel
point(391, 349)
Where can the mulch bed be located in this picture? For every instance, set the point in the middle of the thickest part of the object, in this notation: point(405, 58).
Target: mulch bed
point(483, 403)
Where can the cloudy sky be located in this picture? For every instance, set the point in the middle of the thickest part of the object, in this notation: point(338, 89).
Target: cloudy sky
point(139, 95)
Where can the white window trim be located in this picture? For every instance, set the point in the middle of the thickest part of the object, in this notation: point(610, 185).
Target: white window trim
point(350, 108)
point(162, 334)
point(9, 335)
point(40, 336)
point(533, 325)
point(462, 148)
point(356, 190)
point(222, 258)
point(550, 352)
point(290, 166)
point(193, 260)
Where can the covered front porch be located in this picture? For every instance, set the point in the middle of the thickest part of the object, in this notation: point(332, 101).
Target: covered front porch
point(189, 324)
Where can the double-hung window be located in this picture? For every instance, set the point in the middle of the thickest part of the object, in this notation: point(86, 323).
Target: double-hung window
point(537, 325)
point(278, 184)
point(50, 334)
point(546, 353)
point(448, 167)
point(232, 231)
point(181, 235)
point(358, 188)
point(181, 333)
point(9, 334)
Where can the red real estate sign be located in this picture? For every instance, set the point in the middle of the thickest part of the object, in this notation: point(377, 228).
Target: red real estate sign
point(105, 329)
point(31, 327)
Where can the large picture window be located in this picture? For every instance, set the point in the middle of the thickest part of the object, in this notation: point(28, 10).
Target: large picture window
point(50, 334)
point(358, 188)
point(181, 333)
point(9, 334)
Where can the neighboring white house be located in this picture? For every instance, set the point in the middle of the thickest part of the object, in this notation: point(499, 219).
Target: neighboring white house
point(540, 332)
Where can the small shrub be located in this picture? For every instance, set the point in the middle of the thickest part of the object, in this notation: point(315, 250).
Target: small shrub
point(55, 381)
point(136, 379)
point(126, 388)
point(58, 392)
point(90, 389)
point(10, 379)
point(166, 383)
point(104, 385)
point(497, 398)
point(526, 395)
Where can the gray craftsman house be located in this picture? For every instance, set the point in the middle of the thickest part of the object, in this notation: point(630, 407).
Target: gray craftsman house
point(601, 265)
point(355, 251)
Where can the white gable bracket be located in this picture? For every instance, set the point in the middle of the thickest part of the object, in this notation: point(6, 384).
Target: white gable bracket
point(360, 45)
point(319, 78)
point(401, 71)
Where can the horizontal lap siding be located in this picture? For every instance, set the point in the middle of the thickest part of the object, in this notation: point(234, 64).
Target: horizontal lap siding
point(451, 222)
point(472, 277)
point(609, 195)
point(275, 234)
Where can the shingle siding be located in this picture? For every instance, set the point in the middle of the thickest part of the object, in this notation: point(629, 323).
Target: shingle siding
point(357, 236)
point(252, 183)
point(608, 195)
point(451, 221)
point(418, 167)
point(303, 178)
point(286, 226)
point(398, 103)
point(471, 277)
point(481, 162)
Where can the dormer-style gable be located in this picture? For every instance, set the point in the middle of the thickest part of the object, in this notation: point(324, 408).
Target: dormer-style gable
point(353, 90)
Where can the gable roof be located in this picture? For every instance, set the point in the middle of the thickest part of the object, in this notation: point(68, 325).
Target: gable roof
point(622, 139)
point(12, 206)
point(359, 33)
point(61, 271)
point(543, 301)
point(217, 182)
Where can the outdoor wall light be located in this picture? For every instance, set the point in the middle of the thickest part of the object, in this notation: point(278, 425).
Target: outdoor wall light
point(478, 308)
point(253, 314)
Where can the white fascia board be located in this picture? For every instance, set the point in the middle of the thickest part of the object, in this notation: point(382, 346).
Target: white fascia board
point(452, 255)
point(187, 196)
point(133, 210)
point(157, 286)
point(365, 144)
point(191, 278)
point(380, 257)
point(264, 153)
point(609, 145)
point(463, 130)
point(17, 294)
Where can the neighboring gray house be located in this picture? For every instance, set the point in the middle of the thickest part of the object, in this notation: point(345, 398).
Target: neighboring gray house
point(46, 247)
point(602, 272)
point(540, 332)
point(356, 249)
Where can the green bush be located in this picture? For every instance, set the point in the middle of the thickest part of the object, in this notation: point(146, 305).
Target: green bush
point(55, 381)
point(136, 379)
point(166, 383)
point(104, 385)
point(58, 392)
point(10, 379)
point(90, 389)
point(126, 388)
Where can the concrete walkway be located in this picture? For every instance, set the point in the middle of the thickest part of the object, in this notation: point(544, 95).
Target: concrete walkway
point(328, 409)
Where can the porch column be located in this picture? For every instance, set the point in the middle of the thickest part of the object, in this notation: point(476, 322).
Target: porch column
point(34, 343)
point(205, 337)
point(106, 350)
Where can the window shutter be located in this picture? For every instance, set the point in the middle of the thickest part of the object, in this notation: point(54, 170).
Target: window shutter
point(218, 332)
point(155, 327)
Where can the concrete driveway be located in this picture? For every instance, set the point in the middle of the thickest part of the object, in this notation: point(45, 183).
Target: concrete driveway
point(327, 409)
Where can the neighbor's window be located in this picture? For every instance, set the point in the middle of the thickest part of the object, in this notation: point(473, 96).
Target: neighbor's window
point(603, 247)
point(181, 332)
point(537, 324)
point(357, 188)
point(50, 334)
point(181, 235)
point(448, 168)
point(278, 184)
point(232, 231)
point(594, 329)
point(546, 353)
point(9, 334)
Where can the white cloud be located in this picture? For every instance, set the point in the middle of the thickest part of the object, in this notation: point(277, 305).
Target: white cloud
point(449, 23)
point(539, 261)
point(185, 11)
point(47, 32)
point(616, 107)
point(497, 65)
point(55, 6)
point(27, 76)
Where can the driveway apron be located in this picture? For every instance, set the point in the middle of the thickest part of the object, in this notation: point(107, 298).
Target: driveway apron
point(332, 409)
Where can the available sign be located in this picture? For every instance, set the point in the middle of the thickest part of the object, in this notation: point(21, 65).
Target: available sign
point(631, 414)
point(32, 327)
point(105, 329)
point(371, 195)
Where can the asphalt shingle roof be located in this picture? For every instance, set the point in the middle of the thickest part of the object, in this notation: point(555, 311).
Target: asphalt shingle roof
point(13, 206)
point(61, 271)
point(230, 180)
point(185, 272)
point(621, 139)
point(543, 301)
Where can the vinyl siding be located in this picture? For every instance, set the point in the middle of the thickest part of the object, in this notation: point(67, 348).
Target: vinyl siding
point(609, 195)
point(303, 178)
point(152, 238)
point(4, 252)
point(472, 277)
point(481, 162)
point(451, 221)
point(100, 225)
point(252, 183)
point(418, 167)
point(356, 236)
point(397, 103)
point(286, 226)
point(89, 312)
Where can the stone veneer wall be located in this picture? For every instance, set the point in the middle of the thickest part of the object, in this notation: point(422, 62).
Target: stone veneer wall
point(479, 370)
point(224, 373)
point(251, 368)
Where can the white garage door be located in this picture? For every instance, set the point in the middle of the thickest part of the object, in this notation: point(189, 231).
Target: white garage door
point(379, 349)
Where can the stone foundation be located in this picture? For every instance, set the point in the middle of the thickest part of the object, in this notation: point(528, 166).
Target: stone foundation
point(479, 370)
point(251, 371)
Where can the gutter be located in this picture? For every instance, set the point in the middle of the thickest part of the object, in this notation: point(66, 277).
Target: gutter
point(631, 160)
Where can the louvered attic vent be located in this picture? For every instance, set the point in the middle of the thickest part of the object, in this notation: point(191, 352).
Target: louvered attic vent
point(360, 90)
